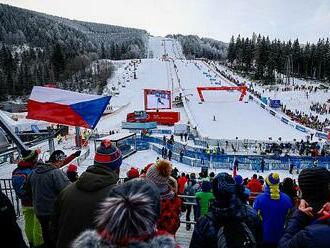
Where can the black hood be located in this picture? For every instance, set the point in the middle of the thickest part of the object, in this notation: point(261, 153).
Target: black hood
point(95, 178)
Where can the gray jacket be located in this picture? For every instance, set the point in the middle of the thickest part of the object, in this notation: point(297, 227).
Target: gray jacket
point(46, 182)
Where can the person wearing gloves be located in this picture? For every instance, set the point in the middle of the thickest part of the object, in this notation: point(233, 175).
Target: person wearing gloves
point(59, 159)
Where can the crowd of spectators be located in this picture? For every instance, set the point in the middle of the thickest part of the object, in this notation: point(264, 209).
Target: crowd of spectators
point(144, 209)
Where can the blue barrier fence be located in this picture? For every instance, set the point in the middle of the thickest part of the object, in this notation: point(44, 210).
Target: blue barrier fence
point(197, 157)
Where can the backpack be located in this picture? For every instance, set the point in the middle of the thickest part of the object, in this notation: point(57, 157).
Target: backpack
point(19, 181)
point(235, 234)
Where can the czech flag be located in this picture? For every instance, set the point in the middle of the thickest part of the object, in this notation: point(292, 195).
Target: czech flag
point(66, 107)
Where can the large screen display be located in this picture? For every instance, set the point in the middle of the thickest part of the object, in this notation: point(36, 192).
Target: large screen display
point(157, 99)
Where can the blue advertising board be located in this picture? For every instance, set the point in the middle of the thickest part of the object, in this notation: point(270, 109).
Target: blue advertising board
point(274, 103)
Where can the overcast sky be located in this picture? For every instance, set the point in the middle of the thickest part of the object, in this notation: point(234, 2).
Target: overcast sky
point(219, 19)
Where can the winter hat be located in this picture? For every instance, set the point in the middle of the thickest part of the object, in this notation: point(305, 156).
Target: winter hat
point(57, 155)
point(273, 181)
point(108, 155)
point(206, 186)
point(223, 186)
point(238, 179)
point(72, 168)
point(30, 155)
point(133, 173)
point(130, 212)
point(314, 186)
point(159, 173)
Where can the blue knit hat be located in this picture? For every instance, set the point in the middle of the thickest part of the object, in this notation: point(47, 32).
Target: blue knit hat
point(238, 179)
point(108, 155)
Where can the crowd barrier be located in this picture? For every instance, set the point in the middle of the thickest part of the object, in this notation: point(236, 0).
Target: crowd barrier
point(197, 157)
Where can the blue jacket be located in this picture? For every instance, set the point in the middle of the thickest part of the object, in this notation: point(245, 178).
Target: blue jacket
point(273, 214)
point(302, 232)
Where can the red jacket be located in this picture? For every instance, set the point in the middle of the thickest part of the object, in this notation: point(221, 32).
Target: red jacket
point(181, 183)
point(254, 185)
point(169, 219)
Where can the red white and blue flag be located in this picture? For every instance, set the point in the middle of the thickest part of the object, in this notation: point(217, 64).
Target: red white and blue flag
point(66, 107)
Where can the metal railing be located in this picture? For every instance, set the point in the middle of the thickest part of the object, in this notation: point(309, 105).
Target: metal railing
point(6, 187)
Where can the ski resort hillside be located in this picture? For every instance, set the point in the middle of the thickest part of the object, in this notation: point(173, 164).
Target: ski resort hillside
point(215, 114)
point(221, 116)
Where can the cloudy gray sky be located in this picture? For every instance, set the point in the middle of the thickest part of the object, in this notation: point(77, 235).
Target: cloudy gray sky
point(220, 19)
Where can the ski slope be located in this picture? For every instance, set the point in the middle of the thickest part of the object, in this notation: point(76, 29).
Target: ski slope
point(245, 120)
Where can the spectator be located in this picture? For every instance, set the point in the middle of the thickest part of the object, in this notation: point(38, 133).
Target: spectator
point(76, 205)
point(238, 222)
point(204, 197)
point(173, 184)
point(185, 137)
point(211, 176)
point(273, 207)
point(127, 218)
point(59, 159)
point(175, 172)
point(20, 176)
point(244, 193)
point(182, 181)
point(181, 155)
point(254, 185)
point(289, 188)
point(46, 182)
point(131, 174)
point(310, 224)
point(11, 234)
point(72, 173)
point(170, 204)
point(170, 154)
point(191, 190)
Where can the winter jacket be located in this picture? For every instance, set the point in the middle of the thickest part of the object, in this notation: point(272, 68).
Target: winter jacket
point(11, 234)
point(182, 183)
point(76, 205)
point(46, 182)
point(273, 214)
point(19, 181)
point(91, 239)
point(254, 185)
point(207, 227)
point(169, 219)
point(204, 199)
point(303, 232)
point(191, 190)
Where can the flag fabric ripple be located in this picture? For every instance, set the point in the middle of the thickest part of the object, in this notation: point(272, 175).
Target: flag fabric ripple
point(66, 107)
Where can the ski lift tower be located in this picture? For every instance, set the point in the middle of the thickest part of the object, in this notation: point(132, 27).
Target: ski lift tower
point(289, 70)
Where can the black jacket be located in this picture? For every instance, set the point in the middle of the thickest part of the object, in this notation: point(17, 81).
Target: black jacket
point(76, 206)
point(302, 232)
point(11, 234)
point(207, 227)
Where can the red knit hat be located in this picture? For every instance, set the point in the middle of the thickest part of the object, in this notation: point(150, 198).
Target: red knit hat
point(72, 168)
point(108, 155)
point(133, 173)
